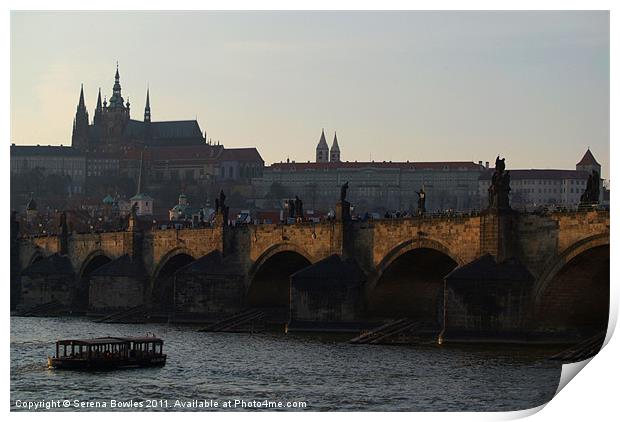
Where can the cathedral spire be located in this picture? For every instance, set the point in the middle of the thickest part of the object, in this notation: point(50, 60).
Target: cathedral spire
point(116, 100)
point(147, 108)
point(98, 109)
point(79, 137)
point(140, 174)
point(334, 152)
point(81, 104)
point(322, 150)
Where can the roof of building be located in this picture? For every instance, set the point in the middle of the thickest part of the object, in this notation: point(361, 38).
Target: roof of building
point(241, 154)
point(588, 159)
point(536, 174)
point(46, 151)
point(108, 200)
point(141, 197)
point(160, 132)
point(486, 268)
point(414, 166)
point(322, 141)
point(122, 266)
point(187, 211)
point(212, 263)
point(335, 146)
point(53, 264)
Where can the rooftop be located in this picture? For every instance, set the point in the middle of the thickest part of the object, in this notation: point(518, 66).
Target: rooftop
point(412, 166)
point(588, 159)
point(44, 151)
point(540, 174)
point(241, 154)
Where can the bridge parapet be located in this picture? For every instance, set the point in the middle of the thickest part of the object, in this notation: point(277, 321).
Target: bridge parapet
point(540, 239)
point(458, 236)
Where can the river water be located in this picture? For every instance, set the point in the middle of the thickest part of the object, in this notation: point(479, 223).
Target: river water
point(320, 370)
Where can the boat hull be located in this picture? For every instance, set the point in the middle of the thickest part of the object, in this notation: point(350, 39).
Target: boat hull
point(105, 364)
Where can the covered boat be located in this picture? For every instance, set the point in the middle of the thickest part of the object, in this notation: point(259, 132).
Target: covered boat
point(108, 353)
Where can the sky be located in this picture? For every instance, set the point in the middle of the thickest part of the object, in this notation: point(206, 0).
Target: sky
point(417, 86)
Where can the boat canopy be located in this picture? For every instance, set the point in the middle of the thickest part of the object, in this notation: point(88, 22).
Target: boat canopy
point(109, 340)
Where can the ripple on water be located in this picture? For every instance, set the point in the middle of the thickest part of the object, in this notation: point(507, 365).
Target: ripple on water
point(324, 371)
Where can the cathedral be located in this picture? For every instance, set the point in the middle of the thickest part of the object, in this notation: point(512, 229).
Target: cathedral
point(113, 130)
point(324, 154)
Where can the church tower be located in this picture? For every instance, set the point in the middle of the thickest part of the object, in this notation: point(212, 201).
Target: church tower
point(322, 150)
point(147, 108)
point(79, 137)
point(589, 163)
point(116, 113)
point(98, 111)
point(334, 152)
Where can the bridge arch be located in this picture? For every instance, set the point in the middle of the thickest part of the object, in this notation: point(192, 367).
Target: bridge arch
point(93, 261)
point(408, 282)
point(572, 295)
point(267, 283)
point(162, 280)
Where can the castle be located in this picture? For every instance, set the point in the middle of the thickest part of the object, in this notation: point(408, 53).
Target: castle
point(113, 130)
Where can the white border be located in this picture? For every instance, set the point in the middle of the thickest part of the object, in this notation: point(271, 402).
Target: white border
point(590, 396)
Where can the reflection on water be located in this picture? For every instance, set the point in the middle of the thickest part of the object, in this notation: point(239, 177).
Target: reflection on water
point(323, 371)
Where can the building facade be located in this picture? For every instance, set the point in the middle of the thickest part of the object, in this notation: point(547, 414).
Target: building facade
point(535, 188)
point(374, 186)
point(50, 160)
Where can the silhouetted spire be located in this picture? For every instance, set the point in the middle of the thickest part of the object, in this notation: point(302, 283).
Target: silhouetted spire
point(334, 152)
point(323, 140)
point(81, 104)
point(140, 175)
point(116, 100)
point(98, 109)
point(147, 108)
point(80, 124)
point(335, 143)
point(322, 150)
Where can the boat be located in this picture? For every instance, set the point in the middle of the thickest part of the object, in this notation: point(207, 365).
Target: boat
point(108, 353)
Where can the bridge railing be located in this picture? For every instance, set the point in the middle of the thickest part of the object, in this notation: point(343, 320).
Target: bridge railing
point(393, 216)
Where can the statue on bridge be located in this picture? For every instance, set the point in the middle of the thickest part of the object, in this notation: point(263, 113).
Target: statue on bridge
point(421, 201)
point(343, 207)
point(291, 208)
point(343, 192)
point(299, 209)
point(500, 186)
point(221, 208)
point(593, 190)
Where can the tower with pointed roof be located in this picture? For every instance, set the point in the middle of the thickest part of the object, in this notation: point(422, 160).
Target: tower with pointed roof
point(98, 110)
point(589, 163)
point(147, 108)
point(142, 202)
point(322, 150)
point(116, 113)
point(79, 136)
point(334, 152)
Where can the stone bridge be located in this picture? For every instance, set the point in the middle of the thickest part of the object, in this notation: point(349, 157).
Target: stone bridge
point(384, 268)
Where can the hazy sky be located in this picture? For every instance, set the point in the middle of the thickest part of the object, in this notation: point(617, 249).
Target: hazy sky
point(418, 86)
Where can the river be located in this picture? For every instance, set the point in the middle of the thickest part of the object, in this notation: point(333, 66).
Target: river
point(321, 371)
